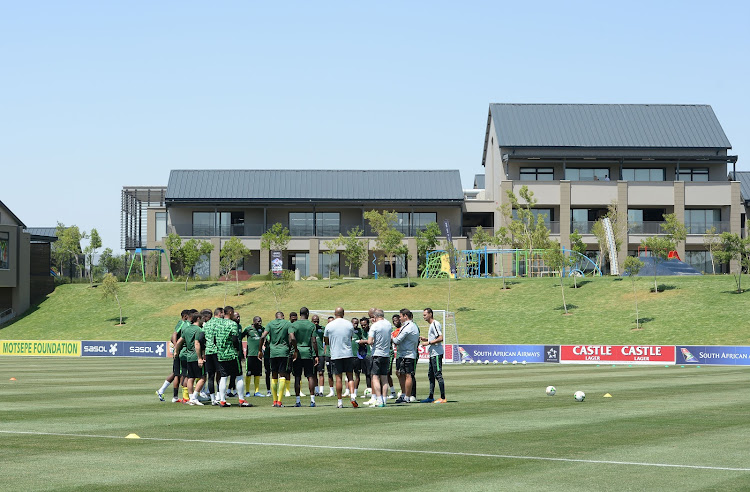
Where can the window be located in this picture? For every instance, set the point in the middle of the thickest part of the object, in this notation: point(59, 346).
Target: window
point(646, 220)
point(701, 261)
point(327, 223)
point(537, 174)
point(218, 223)
point(4, 251)
point(697, 221)
point(586, 174)
point(328, 263)
point(643, 174)
point(583, 219)
point(693, 174)
point(421, 219)
point(161, 225)
point(301, 223)
point(203, 223)
point(202, 269)
point(547, 212)
point(301, 262)
point(402, 222)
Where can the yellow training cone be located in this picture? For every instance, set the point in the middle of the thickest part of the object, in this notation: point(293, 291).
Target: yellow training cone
point(607, 395)
point(12, 379)
point(132, 436)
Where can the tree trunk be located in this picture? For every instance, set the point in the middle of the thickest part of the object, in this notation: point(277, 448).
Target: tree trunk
point(635, 294)
point(713, 266)
point(237, 278)
point(186, 280)
point(119, 306)
point(562, 289)
point(656, 289)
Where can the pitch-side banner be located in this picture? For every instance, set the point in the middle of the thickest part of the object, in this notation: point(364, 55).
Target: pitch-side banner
point(712, 354)
point(113, 348)
point(424, 354)
point(617, 354)
point(54, 348)
point(500, 353)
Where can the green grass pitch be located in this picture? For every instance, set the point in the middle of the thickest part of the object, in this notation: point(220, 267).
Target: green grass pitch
point(63, 423)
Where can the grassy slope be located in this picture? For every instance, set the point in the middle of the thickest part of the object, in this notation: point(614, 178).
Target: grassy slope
point(693, 310)
point(688, 416)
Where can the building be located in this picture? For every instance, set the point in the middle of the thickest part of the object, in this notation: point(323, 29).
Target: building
point(577, 159)
point(315, 205)
point(649, 159)
point(15, 278)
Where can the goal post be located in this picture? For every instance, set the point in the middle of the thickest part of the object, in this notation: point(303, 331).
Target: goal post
point(447, 320)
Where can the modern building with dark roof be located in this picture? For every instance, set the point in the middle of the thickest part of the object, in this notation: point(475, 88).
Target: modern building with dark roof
point(315, 205)
point(14, 265)
point(651, 159)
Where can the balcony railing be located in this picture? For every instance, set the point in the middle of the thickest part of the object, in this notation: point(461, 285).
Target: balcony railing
point(645, 227)
point(701, 227)
point(582, 226)
point(654, 227)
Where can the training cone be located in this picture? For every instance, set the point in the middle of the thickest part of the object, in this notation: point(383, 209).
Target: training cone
point(132, 436)
point(607, 395)
point(12, 379)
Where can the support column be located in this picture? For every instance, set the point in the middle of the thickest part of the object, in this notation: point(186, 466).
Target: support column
point(735, 211)
point(679, 211)
point(214, 260)
point(265, 261)
point(622, 219)
point(314, 266)
point(413, 264)
point(564, 218)
point(365, 268)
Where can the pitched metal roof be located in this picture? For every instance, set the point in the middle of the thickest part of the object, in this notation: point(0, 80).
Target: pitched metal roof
point(607, 125)
point(479, 181)
point(41, 233)
point(744, 178)
point(12, 215)
point(308, 185)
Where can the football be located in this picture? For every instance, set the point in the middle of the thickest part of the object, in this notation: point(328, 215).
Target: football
point(515, 362)
point(486, 362)
point(471, 362)
point(463, 361)
point(579, 395)
point(368, 392)
point(523, 362)
point(505, 362)
point(495, 362)
point(551, 391)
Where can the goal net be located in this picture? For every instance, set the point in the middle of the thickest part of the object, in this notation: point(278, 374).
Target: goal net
point(447, 320)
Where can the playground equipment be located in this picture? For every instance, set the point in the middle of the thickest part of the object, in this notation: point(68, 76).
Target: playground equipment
point(475, 263)
point(643, 251)
point(139, 253)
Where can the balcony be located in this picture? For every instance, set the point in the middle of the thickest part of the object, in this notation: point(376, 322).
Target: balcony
point(582, 226)
point(645, 227)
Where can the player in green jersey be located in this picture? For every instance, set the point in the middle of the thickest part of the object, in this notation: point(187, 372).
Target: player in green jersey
point(254, 365)
point(174, 377)
point(212, 361)
point(320, 367)
point(306, 356)
point(281, 342)
point(190, 341)
point(228, 347)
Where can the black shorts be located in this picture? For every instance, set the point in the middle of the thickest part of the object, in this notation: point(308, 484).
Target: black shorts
point(320, 367)
point(194, 370)
point(254, 367)
point(343, 366)
point(267, 363)
point(176, 366)
point(212, 364)
point(404, 366)
point(358, 364)
point(390, 365)
point(327, 364)
point(380, 365)
point(367, 367)
point(183, 367)
point(280, 364)
point(303, 365)
point(229, 368)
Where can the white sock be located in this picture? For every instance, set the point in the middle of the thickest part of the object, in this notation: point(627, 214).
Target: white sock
point(194, 396)
point(298, 399)
point(164, 387)
point(223, 389)
point(340, 403)
point(240, 383)
point(312, 398)
point(354, 395)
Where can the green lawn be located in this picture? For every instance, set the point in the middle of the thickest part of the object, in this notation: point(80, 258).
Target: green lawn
point(63, 423)
point(691, 310)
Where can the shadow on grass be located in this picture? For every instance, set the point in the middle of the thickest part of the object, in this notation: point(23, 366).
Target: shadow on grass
point(617, 279)
point(464, 309)
point(248, 290)
point(664, 288)
point(580, 284)
point(33, 308)
point(405, 284)
point(204, 286)
point(733, 291)
point(117, 319)
point(643, 321)
point(571, 307)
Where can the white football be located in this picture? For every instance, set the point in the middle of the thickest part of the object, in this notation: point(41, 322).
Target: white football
point(463, 361)
point(486, 362)
point(579, 395)
point(471, 362)
point(515, 362)
point(494, 362)
point(368, 391)
point(551, 391)
point(505, 362)
point(523, 362)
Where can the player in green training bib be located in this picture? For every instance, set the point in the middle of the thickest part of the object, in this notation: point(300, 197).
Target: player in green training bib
point(280, 341)
point(307, 354)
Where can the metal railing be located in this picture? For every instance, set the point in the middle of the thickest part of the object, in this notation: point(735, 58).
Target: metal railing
point(7, 315)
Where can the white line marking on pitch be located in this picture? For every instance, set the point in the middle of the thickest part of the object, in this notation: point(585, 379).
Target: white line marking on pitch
point(388, 450)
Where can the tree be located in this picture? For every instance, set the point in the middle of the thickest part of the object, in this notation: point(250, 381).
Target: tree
point(660, 248)
point(355, 249)
point(403, 252)
point(526, 231)
point(280, 287)
point(601, 239)
point(276, 238)
point(173, 244)
point(618, 232)
point(555, 258)
point(331, 246)
point(712, 242)
point(734, 248)
point(110, 289)
point(576, 246)
point(230, 256)
point(674, 229)
point(191, 253)
point(67, 248)
point(427, 240)
point(114, 264)
point(95, 242)
point(631, 267)
point(480, 238)
point(388, 239)
point(500, 239)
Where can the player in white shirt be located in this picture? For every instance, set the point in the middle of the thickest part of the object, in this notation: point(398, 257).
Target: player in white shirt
point(434, 341)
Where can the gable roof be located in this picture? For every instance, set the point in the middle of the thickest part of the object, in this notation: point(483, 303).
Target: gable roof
point(307, 185)
point(607, 125)
point(744, 178)
point(43, 234)
point(12, 215)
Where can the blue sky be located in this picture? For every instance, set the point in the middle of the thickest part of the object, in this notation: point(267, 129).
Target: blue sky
point(97, 95)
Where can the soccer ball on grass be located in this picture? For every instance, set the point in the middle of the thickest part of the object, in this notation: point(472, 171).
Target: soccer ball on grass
point(579, 395)
point(551, 391)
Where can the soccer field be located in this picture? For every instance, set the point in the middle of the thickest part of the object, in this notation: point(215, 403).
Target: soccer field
point(63, 424)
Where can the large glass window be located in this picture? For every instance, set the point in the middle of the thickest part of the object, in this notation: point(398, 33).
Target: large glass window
point(421, 219)
point(328, 263)
point(701, 261)
point(218, 223)
point(301, 223)
point(327, 223)
point(202, 269)
point(4, 251)
point(537, 174)
point(583, 219)
point(161, 225)
point(693, 174)
point(697, 221)
point(402, 222)
point(301, 262)
point(586, 174)
point(643, 174)
point(203, 223)
point(546, 212)
point(646, 220)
